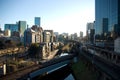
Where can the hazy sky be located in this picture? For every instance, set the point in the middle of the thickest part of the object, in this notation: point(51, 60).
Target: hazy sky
point(60, 15)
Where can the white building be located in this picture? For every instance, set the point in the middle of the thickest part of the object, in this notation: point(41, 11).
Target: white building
point(7, 33)
point(45, 49)
point(48, 36)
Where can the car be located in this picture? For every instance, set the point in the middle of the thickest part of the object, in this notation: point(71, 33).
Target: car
point(63, 54)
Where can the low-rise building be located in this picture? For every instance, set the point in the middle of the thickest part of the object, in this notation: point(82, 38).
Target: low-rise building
point(2, 69)
point(47, 48)
point(7, 33)
point(44, 50)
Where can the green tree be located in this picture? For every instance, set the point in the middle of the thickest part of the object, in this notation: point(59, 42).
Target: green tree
point(10, 43)
point(1, 45)
point(34, 50)
point(19, 44)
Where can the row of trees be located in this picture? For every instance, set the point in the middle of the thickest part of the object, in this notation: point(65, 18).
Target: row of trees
point(8, 44)
point(34, 50)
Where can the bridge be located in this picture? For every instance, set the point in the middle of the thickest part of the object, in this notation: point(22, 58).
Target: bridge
point(104, 63)
point(41, 68)
point(112, 56)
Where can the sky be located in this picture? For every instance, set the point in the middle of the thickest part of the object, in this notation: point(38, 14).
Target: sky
point(70, 16)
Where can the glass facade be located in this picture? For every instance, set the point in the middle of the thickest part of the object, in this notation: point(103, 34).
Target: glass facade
point(22, 27)
point(105, 25)
point(37, 21)
point(11, 27)
point(107, 17)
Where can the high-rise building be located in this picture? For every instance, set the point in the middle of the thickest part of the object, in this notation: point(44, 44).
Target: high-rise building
point(89, 27)
point(75, 36)
point(81, 34)
point(11, 27)
point(105, 26)
point(18, 27)
point(22, 26)
point(107, 17)
point(37, 21)
point(90, 32)
point(29, 37)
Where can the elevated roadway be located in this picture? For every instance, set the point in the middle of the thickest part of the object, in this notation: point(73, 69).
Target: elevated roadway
point(104, 65)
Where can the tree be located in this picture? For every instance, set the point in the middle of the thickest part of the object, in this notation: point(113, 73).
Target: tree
point(19, 44)
point(34, 50)
point(1, 45)
point(10, 43)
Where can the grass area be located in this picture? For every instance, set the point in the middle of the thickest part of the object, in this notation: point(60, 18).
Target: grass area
point(82, 72)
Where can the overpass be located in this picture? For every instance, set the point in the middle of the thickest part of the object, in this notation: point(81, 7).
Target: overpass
point(41, 68)
point(110, 70)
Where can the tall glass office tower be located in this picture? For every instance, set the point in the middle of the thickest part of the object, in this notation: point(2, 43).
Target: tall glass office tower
point(107, 17)
point(22, 26)
point(37, 21)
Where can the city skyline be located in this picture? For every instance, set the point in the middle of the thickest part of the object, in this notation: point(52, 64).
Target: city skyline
point(61, 16)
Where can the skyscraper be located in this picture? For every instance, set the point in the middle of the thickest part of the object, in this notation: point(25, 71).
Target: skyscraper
point(107, 17)
point(90, 32)
point(22, 26)
point(81, 34)
point(37, 21)
point(89, 27)
point(11, 27)
point(18, 27)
